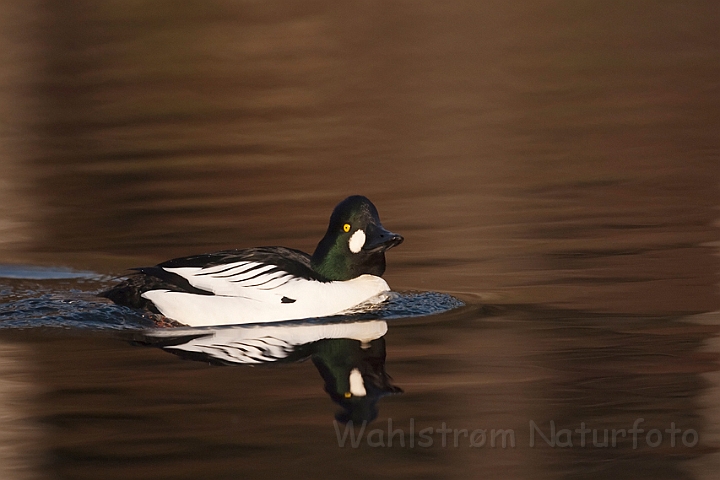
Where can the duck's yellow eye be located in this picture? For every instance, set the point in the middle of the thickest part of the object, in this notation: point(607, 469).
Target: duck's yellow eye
point(346, 227)
point(348, 394)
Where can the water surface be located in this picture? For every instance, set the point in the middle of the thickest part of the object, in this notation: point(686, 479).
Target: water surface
point(553, 166)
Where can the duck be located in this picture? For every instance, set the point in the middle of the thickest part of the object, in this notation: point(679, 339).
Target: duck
point(271, 284)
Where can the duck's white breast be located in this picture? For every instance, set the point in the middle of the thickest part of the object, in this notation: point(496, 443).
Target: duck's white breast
point(289, 298)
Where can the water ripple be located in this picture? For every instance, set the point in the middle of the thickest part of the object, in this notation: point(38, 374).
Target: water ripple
point(37, 297)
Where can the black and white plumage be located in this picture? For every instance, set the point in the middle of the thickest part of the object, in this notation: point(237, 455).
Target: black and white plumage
point(245, 344)
point(269, 284)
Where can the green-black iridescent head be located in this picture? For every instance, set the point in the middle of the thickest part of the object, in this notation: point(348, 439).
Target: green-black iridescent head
point(355, 242)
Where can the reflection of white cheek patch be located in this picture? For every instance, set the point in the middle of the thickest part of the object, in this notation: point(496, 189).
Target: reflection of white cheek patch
point(357, 385)
point(357, 241)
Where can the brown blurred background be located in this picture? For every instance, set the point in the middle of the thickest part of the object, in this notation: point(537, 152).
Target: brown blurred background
point(536, 150)
point(560, 154)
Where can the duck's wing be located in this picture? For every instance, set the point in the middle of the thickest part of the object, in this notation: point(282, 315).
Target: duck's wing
point(234, 272)
point(230, 272)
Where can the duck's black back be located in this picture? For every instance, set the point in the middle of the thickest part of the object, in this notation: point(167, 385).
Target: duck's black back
point(129, 292)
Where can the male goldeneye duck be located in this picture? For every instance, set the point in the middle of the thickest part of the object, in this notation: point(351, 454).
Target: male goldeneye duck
point(268, 284)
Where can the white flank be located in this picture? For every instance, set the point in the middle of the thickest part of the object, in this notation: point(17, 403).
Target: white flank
point(357, 241)
point(357, 385)
point(254, 296)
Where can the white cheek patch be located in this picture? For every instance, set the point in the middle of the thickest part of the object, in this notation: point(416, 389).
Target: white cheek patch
point(357, 241)
point(357, 385)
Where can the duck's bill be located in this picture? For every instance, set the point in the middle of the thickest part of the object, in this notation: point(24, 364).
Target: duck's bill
point(380, 239)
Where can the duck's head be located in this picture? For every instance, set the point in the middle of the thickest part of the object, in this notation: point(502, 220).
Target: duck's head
point(355, 242)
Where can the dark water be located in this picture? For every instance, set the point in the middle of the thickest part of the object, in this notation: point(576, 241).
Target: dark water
point(553, 167)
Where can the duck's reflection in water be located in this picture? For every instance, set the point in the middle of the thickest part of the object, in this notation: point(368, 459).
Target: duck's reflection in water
point(350, 356)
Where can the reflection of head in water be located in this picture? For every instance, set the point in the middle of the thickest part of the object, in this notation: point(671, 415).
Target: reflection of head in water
point(355, 377)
